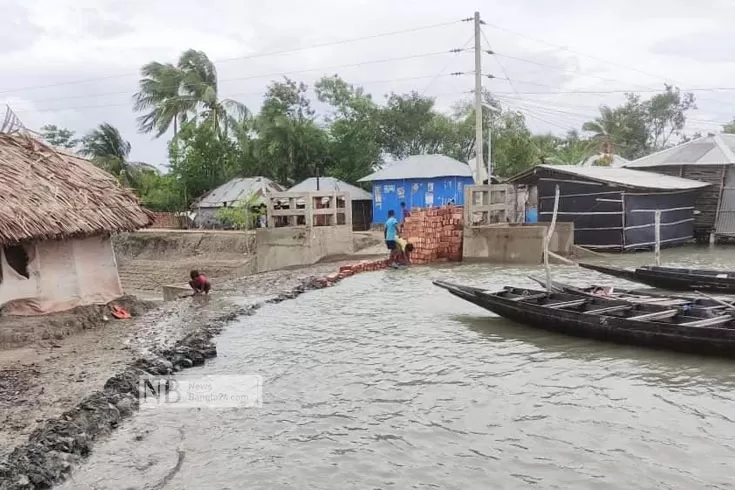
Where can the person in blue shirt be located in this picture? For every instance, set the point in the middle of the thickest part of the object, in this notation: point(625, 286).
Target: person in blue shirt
point(391, 232)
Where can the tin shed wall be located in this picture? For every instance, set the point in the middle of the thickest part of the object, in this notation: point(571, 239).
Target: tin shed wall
point(416, 193)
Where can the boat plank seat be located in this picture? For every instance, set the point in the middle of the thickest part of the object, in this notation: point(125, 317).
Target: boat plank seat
point(655, 315)
point(568, 304)
point(708, 322)
point(523, 297)
point(609, 309)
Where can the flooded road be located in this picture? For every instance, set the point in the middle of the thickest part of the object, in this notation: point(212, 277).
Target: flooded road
point(385, 381)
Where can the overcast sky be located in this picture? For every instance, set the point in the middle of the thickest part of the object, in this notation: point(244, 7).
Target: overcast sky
point(74, 63)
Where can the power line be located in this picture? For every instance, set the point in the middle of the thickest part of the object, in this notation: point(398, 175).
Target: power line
point(245, 57)
point(502, 68)
point(566, 48)
point(619, 91)
point(260, 92)
point(445, 68)
point(333, 67)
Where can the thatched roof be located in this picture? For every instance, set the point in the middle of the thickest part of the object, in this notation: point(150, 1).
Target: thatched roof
point(47, 194)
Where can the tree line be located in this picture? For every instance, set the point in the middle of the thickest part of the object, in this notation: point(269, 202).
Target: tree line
point(214, 139)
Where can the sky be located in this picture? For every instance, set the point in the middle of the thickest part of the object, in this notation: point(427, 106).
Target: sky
point(75, 63)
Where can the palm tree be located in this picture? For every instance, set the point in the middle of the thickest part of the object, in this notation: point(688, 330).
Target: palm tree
point(160, 95)
point(109, 151)
point(173, 94)
point(199, 82)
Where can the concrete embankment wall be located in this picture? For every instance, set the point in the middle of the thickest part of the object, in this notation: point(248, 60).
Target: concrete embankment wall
point(520, 244)
point(278, 248)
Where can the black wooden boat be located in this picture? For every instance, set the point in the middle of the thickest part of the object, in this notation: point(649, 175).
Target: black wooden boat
point(698, 331)
point(650, 296)
point(673, 278)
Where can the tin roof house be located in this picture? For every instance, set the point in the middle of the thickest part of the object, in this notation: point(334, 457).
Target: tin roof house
point(57, 214)
point(421, 181)
point(228, 195)
point(708, 159)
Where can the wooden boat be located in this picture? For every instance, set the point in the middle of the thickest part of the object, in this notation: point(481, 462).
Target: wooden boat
point(650, 296)
point(673, 278)
point(698, 331)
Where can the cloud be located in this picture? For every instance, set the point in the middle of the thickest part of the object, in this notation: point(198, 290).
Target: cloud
point(51, 45)
point(17, 32)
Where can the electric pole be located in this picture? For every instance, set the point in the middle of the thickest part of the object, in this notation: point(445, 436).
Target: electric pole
point(479, 161)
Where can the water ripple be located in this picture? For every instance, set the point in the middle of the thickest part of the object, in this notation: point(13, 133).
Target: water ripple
point(385, 381)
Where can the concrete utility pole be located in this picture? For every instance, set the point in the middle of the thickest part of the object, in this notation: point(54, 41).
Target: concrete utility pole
point(479, 161)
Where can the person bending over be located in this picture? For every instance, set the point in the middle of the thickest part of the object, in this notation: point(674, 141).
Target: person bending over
point(404, 251)
point(199, 283)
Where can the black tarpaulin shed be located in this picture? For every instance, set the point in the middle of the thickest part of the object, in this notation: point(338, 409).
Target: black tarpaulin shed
point(614, 208)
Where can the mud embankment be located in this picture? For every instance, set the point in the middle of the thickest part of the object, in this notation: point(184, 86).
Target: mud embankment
point(63, 441)
point(148, 260)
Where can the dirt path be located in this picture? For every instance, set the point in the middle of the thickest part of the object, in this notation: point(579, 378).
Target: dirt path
point(43, 381)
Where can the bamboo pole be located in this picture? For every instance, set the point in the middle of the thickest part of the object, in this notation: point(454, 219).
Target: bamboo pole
point(716, 300)
point(547, 240)
point(658, 237)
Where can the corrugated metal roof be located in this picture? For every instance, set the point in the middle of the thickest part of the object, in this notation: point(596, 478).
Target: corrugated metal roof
point(237, 189)
point(590, 161)
point(332, 184)
point(421, 167)
point(708, 150)
point(621, 176)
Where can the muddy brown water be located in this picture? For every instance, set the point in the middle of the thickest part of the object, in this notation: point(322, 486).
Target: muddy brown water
point(385, 381)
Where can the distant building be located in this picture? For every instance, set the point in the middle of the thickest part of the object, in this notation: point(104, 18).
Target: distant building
point(613, 209)
point(228, 195)
point(421, 181)
point(362, 201)
point(56, 217)
point(709, 159)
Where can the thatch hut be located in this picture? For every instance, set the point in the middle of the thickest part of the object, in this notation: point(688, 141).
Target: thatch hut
point(57, 214)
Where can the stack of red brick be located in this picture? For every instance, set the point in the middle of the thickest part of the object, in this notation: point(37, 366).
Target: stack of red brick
point(352, 269)
point(436, 234)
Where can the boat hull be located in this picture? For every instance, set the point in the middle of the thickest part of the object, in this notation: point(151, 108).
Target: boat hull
point(694, 340)
point(671, 279)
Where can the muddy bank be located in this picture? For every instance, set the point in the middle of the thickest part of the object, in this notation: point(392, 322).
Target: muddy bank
point(49, 330)
point(65, 410)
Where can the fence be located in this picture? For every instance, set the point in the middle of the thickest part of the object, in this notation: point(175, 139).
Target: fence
point(493, 204)
point(290, 209)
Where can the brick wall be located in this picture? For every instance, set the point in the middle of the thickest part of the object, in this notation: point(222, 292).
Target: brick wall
point(165, 220)
point(436, 234)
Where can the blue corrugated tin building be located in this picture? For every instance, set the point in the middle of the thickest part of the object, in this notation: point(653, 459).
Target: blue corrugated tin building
point(421, 181)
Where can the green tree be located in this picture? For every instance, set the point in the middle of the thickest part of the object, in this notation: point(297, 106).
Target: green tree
point(188, 91)
point(243, 215)
point(199, 81)
point(290, 146)
point(354, 129)
point(513, 149)
point(59, 137)
point(729, 128)
point(200, 160)
point(667, 115)
point(107, 149)
point(405, 121)
point(159, 94)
